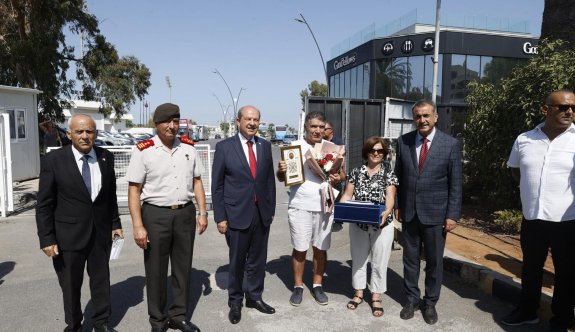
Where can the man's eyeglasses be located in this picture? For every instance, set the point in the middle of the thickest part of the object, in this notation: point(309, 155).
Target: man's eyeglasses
point(378, 151)
point(563, 108)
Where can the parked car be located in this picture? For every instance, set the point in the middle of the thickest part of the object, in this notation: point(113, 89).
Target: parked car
point(288, 139)
point(217, 136)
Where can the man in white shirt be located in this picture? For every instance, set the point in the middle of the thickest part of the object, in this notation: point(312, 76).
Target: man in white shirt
point(543, 161)
point(308, 223)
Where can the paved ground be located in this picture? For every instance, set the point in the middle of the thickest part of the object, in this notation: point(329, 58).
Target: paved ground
point(30, 298)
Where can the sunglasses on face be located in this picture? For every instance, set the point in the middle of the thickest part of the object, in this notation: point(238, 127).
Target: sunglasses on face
point(378, 151)
point(563, 108)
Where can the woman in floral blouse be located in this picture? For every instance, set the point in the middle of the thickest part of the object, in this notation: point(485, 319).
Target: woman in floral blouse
point(374, 182)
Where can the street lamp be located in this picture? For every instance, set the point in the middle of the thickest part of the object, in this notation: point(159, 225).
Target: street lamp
point(234, 100)
point(303, 20)
point(169, 83)
point(224, 112)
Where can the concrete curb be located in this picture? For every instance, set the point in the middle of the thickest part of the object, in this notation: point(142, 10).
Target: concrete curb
point(493, 283)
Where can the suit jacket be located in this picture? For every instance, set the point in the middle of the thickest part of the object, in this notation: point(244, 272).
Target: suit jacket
point(434, 194)
point(65, 213)
point(233, 186)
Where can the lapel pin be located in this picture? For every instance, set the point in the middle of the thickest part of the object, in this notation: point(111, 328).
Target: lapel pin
point(187, 157)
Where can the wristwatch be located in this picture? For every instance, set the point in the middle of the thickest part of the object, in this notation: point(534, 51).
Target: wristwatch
point(205, 213)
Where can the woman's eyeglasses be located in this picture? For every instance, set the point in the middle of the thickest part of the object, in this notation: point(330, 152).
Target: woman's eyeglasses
point(378, 151)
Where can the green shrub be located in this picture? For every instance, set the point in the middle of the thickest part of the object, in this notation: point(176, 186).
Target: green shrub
point(502, 110)
point(508, 221)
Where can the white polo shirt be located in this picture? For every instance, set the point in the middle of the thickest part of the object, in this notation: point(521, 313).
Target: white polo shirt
point(547, 174)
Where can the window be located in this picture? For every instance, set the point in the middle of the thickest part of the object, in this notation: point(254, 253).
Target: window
point(17, 118)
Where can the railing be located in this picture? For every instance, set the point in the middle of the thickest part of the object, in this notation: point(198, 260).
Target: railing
point(122, 155)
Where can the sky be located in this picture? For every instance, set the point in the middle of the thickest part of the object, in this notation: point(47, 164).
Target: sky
point(257, 45)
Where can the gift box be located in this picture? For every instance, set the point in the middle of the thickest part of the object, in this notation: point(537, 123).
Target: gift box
point(358, 212)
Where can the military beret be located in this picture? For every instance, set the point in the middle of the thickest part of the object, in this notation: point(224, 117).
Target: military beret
point(166, 112)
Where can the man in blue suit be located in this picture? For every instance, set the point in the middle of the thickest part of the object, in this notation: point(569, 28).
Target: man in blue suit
point(428, 166)
point(244, 200)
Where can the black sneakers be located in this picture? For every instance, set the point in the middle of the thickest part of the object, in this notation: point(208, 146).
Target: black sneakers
point(296, 296)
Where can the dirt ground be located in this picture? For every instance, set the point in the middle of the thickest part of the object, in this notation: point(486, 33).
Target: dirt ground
point(499, 252)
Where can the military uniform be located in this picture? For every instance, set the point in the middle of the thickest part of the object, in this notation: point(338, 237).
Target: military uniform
point(168, 214)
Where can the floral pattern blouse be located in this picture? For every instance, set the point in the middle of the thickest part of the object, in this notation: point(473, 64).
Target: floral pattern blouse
point(372, 188)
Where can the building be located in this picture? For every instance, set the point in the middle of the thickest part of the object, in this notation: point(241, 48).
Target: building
point(399, 65)
point(92, 108)
point(19, 136)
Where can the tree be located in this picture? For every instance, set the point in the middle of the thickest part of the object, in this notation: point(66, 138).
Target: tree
point(313, 89)
point(225, 127)
point(500, 112)
point(271, 129)
point(34, 53)
point(558, 20)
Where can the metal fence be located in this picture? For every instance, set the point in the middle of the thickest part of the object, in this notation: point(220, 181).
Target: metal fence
point(122, 155)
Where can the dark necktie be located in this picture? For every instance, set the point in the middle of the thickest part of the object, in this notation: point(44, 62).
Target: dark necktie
point(253, 162)
point(423, 153)
point(86, 173)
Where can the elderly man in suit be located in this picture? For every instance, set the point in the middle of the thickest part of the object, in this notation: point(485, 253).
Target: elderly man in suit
point(428, 166)
point(244, 200)
point(77, 218)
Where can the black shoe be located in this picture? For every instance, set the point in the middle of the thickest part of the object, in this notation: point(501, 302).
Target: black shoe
point(260, 305)
point(235, 314)
point(104, 328)
point(319, 295)
point(519, 317)
point(296, 296)
point(408, 310)
point(183, 326)
point(429, 314)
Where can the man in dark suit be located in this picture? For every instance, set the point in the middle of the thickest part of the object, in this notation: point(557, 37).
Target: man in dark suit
point(77, 218)
point(244, 200)
point(428, 166)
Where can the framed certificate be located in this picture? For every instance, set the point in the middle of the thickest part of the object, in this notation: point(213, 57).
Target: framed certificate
point(294, 162)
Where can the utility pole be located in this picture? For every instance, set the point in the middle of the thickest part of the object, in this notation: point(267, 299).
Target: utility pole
point(436, 52)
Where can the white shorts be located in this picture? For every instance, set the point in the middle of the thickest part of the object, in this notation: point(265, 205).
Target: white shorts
point(309, 227)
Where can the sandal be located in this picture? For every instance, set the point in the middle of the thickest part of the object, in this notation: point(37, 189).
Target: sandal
point(352, 305)
point(376, 311)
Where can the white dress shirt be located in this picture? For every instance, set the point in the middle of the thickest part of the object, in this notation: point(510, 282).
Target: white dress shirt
point(547, 174)
point(419, 143)
point(95, 174)
point(245, 147)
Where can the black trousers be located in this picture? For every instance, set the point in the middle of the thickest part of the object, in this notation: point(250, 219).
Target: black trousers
point(248, 252)
point(537, 236)
point(433, 239)
point(171, 234)
point(69, 267)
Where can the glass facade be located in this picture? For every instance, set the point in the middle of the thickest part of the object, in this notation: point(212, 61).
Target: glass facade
point(406, 77)
point(411, 78)
point(352, 83)
point(466, 68)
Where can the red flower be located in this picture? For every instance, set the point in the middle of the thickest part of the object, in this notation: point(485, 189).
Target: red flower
point(329, 156)
point(322, 162)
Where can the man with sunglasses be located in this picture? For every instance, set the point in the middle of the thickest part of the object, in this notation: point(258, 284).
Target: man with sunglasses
point(543, 161)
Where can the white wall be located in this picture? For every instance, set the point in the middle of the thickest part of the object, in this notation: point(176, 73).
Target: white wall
point(25, 151)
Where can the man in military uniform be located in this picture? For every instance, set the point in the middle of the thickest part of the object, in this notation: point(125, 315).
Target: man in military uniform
point(164, 175)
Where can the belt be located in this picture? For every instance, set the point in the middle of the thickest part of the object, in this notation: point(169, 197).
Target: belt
point(172, 207)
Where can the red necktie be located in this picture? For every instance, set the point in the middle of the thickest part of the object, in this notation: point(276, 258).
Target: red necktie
point(423, 153)
point(253, 162)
